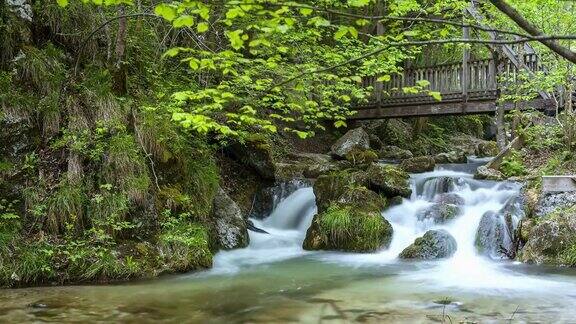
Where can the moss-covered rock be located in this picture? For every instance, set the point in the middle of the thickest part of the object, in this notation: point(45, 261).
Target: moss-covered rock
point(345, 228)
point(354, 139)
point(388, 180)
point(329, 187)
point(357, 156)
point(551, 240)
point(256, 152)
point(418, 164)
point(435, 244)
point(487, 148)
point(391, 152)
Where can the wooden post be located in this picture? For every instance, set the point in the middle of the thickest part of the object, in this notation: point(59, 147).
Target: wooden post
point(465, 69)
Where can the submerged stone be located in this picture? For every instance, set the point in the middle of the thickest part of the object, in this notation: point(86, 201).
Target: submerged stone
point(435, 244)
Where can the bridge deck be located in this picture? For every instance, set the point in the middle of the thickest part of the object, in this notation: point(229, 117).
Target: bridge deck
point(465, 89)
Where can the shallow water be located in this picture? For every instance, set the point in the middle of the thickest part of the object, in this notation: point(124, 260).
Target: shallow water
point(275, 281)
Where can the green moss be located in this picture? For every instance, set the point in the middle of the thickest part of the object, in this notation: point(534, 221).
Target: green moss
point(65, 209)
point(346, 228)
point(361, 156)
point(185, 246)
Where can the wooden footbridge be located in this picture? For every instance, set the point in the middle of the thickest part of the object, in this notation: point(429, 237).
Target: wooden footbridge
point(466, 87)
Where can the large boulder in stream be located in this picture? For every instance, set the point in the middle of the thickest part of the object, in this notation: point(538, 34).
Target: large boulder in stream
point(449, 198)
point(551, 240)
point(230, 225)
point(493, 237)
point(329, 187)
point(355, 139)
point(388, 180)
point(440, 213)
point(435, 244)
point(487, 149)
point(418, 164)
point(351, 223)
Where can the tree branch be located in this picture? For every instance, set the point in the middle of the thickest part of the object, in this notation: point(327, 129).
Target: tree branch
point(531, 29)
point(414, 43)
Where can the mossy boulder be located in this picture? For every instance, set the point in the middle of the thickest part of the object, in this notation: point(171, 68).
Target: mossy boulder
point(256, 152)
point(345, 228)
point(487, 148)
point(358, 156)
point(230, 225)
point(355, 139)
point(388, 180)
point(440, 213)
point(435, 244)
point(418, 164)
point(552, 240)
point(391, 152)
point(329, 187)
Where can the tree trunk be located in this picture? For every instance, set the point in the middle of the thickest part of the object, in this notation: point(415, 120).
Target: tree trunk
point(119, 69)
point(500, 127)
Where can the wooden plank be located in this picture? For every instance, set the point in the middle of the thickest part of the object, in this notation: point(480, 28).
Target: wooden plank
point(558, 183)
point(376, 111)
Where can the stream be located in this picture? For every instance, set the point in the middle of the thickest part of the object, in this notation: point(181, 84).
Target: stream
point(274, 281)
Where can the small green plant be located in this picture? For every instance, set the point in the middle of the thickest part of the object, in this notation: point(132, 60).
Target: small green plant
point(513, 165)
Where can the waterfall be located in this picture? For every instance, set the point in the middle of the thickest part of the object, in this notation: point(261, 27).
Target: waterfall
point(286, 228)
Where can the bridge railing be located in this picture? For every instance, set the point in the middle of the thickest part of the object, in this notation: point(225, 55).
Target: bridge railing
point(478, 81)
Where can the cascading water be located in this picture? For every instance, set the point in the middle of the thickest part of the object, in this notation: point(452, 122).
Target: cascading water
point(287, 224)
point(285, 230)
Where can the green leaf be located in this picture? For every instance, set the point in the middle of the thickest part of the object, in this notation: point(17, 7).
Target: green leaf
point(342, 31)
point(356, 78)
point(165, 11)
point(183, 21)
point(340, 123)
point(436, 95)
point(306, 11)
point(172, 52)
point(202, 27)
point(62, 3)
point(358, 3)
point(235, 39)
point(423, 83)
point(384, 78)
point(353, 32)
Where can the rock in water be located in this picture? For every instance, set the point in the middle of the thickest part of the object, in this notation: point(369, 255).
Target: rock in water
point(440, 213)
point(485, 173)
point(354, 139)
point(449, 198)
point(388, 180)
point(450, 157)
point(351, 223)
point(493, 237)
point(230, 224)
point(435, 244)
point(418, 164)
